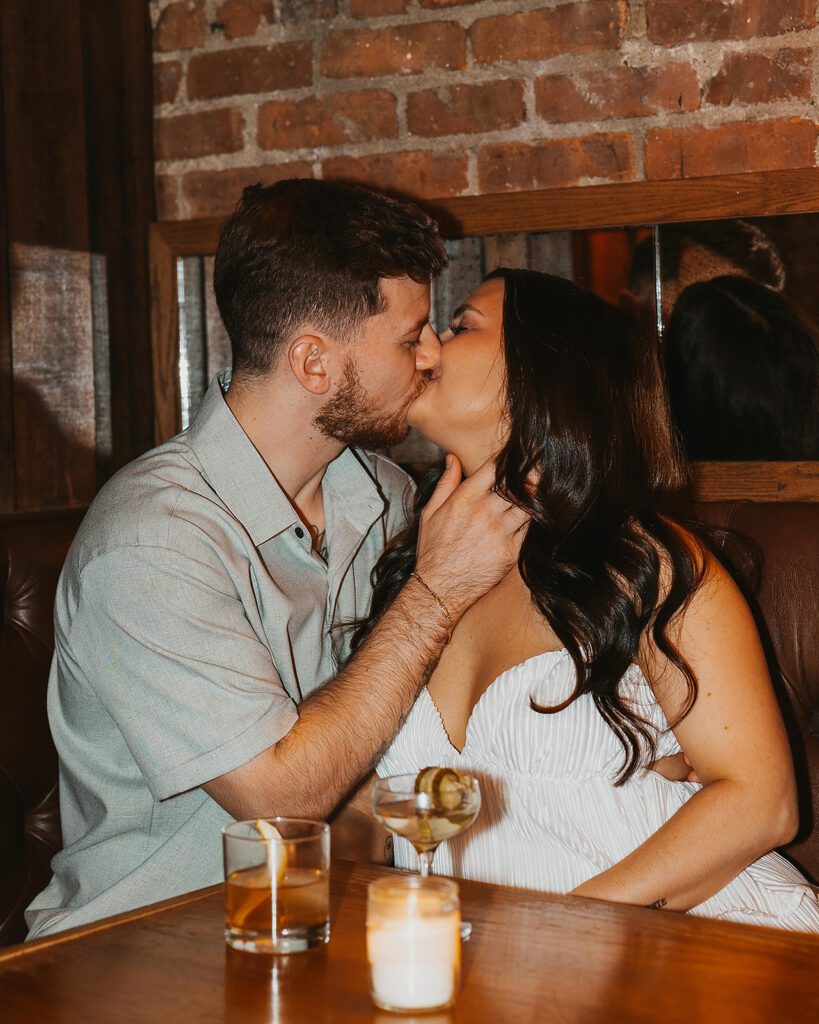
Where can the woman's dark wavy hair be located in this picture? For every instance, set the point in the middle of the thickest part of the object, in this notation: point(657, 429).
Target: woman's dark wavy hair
point(589, 422)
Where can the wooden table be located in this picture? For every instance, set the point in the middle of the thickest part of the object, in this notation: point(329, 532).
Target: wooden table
point(532, 957)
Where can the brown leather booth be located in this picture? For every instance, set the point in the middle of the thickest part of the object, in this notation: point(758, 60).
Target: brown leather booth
point(786, 607)
point(32, 550)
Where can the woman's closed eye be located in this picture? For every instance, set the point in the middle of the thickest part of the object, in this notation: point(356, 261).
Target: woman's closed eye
point(453, 330)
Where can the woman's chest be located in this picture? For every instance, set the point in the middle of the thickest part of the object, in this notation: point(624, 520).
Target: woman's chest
point(506, 734)
point(499, 632)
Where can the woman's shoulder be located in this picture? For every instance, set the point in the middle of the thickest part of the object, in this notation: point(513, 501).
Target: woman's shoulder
point(696, 595)
point(686, 558)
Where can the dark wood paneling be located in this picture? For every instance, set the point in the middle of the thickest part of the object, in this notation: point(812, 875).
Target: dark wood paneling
point(53, 408)
point(165, 337)
point(6, 396)
point(759, 194)
point(117, 46)
point(756, 481)
point(76, 390)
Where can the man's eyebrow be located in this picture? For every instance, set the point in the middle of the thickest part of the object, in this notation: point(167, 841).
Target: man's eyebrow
point(416, 327)
point(462, 309)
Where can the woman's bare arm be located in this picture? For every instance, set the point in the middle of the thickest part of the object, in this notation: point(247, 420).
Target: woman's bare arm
point(735, 740)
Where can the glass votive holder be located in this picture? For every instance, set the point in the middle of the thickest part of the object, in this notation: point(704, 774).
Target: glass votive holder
point(413, 942)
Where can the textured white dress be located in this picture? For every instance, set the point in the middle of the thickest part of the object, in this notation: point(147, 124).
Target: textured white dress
point(551, 817)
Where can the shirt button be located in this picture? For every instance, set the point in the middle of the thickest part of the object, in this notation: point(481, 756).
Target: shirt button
point(299, 532)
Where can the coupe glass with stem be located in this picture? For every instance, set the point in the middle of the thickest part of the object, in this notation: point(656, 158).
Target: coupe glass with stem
point(427, 815)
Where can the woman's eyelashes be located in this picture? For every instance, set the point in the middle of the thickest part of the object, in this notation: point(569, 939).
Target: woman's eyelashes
point(455, 329)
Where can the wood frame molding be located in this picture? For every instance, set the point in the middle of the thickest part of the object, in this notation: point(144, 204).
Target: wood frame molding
point(759, 194)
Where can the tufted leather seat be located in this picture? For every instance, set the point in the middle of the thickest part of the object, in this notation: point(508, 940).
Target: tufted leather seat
point(32, 550)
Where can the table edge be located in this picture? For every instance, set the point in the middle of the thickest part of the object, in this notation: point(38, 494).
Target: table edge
point(105, 923)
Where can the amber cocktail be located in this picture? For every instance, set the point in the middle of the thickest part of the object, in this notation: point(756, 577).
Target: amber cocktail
point(277, 892)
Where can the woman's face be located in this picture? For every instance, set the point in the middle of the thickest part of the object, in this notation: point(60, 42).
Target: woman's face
point(462, 408)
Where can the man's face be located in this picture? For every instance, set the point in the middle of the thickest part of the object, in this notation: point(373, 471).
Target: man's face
point(385, 370)
point(696, 264)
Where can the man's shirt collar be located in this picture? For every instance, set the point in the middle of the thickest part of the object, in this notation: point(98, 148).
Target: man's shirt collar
point(245, 483)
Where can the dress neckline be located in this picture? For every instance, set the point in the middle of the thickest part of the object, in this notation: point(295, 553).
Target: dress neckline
point(499, 678)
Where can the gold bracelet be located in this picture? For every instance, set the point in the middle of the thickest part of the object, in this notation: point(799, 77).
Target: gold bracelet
point(439, 602)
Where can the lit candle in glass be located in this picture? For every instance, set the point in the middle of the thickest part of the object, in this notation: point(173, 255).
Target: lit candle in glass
point(413, 942)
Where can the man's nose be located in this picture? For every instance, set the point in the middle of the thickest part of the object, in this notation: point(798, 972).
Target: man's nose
point(428, 353)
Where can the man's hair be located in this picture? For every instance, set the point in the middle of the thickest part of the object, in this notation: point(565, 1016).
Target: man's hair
point(310, 254)
point(739, 242)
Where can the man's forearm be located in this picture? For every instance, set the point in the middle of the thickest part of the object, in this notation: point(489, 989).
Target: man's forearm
point(344, 727)
point(469, 538)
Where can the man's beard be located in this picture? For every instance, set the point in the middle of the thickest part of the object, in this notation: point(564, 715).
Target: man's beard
point(349, 418)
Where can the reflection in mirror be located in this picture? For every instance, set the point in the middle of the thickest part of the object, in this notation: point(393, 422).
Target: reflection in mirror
point(204, 347)
point(740, 339)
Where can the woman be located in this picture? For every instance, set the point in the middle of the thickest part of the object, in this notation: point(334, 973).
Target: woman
point(557, 686)
point(743, 373)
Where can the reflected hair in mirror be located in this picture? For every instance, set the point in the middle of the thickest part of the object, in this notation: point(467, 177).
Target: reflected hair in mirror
point(743, 373)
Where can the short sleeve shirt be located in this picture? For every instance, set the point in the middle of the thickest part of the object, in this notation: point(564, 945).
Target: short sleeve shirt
point(192, 617)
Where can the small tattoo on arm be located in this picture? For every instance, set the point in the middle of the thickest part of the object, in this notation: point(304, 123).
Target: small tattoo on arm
point(657, 904)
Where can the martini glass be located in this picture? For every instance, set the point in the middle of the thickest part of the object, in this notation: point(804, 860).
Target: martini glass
point(427, 808)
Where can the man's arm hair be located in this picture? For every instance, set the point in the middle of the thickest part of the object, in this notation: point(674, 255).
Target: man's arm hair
point(342, 729)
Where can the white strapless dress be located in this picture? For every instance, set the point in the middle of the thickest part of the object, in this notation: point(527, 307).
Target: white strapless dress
point(551, 817)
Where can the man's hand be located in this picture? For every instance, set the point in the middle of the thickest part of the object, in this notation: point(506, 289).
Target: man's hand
point(675, 768)
point(469, 536)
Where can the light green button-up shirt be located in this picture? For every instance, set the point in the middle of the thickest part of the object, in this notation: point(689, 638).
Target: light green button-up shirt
point(191, 618)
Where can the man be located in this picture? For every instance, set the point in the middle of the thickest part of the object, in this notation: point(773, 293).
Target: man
point(199, 618)
point(692, 252)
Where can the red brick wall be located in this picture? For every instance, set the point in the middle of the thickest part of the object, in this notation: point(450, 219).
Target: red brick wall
point(451, 97)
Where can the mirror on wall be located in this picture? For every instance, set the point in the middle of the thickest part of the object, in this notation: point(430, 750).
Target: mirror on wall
point(741, 355)
point(738, 334)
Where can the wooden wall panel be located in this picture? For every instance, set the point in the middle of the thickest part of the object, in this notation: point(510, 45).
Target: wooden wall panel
point(6, 418)
point(49, 274)
point(118, 51)
point(75, 362)
point(52, 349)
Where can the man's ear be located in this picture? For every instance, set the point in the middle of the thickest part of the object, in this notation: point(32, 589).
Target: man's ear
point(311, 358)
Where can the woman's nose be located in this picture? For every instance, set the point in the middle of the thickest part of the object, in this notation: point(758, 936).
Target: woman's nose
point(428, 353)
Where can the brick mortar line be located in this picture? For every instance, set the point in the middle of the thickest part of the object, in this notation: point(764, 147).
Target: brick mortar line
point(250, 107)
point(714, 112)
point(573, 65)
point(787, 40)
point(636, 128)
point(465, 17)
point(473, 142)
